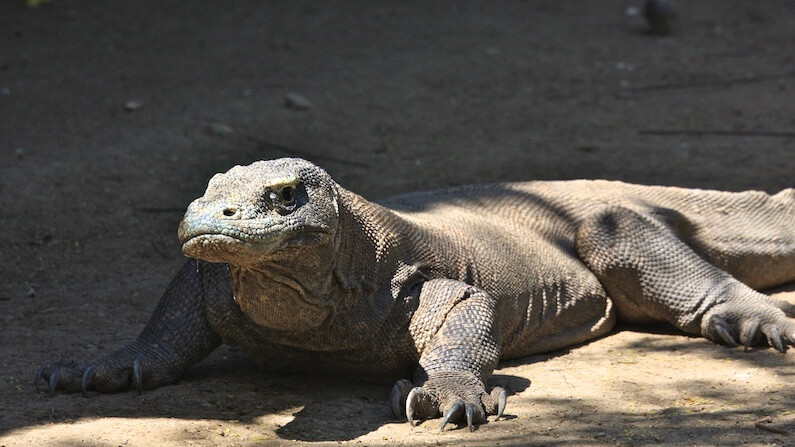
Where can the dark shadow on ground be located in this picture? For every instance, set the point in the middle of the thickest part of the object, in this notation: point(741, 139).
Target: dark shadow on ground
point(230, 387)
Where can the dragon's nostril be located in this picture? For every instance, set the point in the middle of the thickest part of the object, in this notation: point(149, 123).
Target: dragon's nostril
point(229, 212)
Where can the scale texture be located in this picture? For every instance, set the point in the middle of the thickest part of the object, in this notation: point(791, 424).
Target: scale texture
point(432, 289)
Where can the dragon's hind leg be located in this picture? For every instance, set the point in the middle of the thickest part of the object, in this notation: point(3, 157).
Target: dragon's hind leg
point(652, 275)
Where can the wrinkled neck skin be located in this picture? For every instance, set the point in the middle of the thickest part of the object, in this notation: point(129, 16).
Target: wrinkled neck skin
point(316, 293)
point(287, 291)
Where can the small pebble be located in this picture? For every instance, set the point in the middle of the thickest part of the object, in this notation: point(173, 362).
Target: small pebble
point(632, 11)
point(626, 66)
point(19, 153)
point(132, 105)
point(297, 102)
point(220, 129)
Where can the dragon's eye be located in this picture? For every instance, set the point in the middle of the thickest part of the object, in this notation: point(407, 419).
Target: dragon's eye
point(287, 196)
point(283, 199)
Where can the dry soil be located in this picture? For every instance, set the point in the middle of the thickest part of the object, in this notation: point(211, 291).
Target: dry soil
point(113, 115)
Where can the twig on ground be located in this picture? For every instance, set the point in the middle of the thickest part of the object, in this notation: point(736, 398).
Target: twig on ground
point(760, 424)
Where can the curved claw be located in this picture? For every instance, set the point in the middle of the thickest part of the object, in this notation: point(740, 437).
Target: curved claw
point(398, 396)
point(411, 403)
point(39, 378)
point(470, 410)
point(502, 400)
point(137, 374)
point(88, 377)
point(749, 334)
point(455, 410)
point(774, 338)
point(720, 328)
point(54, 380)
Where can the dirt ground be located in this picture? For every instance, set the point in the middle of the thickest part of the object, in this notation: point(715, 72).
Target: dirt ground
point(113, 115)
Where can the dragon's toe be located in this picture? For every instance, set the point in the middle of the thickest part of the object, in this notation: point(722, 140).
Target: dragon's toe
point(398, 396)
point(777, 340)
point(88, 378)
point(60, 375)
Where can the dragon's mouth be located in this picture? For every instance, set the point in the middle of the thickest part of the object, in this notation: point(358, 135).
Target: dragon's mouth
point(213, 247)
point(235, 242)
point(211, 238)
point(231, 249)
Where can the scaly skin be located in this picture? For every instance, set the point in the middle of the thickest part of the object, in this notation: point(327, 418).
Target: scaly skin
point(439, 286)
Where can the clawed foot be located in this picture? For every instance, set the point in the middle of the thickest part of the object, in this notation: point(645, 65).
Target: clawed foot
point(69, 377)
point(457, 398)
point(127, 369)
point(751, 324)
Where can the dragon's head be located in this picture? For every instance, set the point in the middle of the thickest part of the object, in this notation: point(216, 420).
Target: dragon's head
point(252, 213)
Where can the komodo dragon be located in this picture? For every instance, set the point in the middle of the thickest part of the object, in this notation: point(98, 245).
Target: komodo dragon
point(438, 286)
